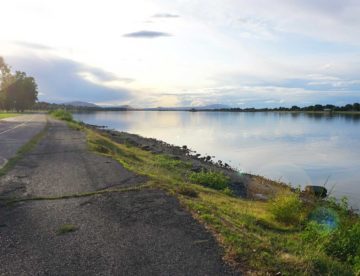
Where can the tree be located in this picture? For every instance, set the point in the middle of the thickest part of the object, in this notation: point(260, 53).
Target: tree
point(5, 80)
point(17, 91)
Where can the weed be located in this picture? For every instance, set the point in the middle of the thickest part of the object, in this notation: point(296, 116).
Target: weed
point(287, 208)
point(66, 228)
point(211, 179)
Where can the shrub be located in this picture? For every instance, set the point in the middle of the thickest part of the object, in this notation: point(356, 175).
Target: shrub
point(212, 179)
point(344, 244)
point(62, 114)
point(287, 208)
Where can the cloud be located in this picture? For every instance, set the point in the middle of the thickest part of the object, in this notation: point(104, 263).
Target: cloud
point(146, 34)
point(34, 46)
point(59, 80)
point(165, 15)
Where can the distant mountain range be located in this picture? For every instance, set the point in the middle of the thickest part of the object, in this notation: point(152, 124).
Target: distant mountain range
point(128, 107)
point(81, 104)
point(205, 107)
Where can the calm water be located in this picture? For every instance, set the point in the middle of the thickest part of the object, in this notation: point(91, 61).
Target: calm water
point(300, 149)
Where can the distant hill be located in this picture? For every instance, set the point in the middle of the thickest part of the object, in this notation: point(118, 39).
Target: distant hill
point(212, 106)
point(205, 107)
point(128, 107)
point(81, 104)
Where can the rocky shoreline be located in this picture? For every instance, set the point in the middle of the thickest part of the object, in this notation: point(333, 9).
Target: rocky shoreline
point(242, 184)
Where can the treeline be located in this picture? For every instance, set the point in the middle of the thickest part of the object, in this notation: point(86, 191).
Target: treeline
point(17, 90)
point(317, 107)
point(41, 106)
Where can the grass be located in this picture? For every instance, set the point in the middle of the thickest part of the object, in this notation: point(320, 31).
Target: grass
point(62, 114)
point(8, 115)
point(212, 179)
point(24, 149)
point(257, 236)
point(66, 228)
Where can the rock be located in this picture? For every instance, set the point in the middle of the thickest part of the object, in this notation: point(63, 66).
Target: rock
point(318, 191)
point(145, 147)
point(197, 168)
point(260, 197)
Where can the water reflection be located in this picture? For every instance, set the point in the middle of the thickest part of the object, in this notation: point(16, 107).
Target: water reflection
point(298, 148)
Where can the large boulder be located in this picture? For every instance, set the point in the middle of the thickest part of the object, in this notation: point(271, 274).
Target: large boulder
point(318, 191)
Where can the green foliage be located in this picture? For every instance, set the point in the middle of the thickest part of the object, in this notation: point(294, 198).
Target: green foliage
point(62, 114)
point(17, 91)
point(169, 163)
point(315, 234)
point(344, 243)
point(211, 179)
point(287, 208)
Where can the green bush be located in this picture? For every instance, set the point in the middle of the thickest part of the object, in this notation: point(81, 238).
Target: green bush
point(344, 244)
point(287, 208)
point(315, 234)
point(62, 114)
point(211, 179)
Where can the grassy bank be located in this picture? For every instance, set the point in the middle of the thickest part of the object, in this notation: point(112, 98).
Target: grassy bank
point(4, 115)
point(288, 234)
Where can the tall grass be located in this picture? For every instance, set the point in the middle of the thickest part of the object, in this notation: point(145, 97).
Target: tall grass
point(287, 208)
point(211, 179)
point(62, 114)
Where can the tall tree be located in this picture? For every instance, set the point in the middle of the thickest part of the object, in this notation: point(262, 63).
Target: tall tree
point(17, 91)
point(5, 80)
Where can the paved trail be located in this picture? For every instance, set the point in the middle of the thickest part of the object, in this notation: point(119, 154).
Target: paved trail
point(134, 233)
point(16, 131)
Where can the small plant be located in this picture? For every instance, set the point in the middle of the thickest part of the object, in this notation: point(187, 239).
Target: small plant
point(287, 208)
point(212, 179)
point(62, 114)
point(66, 228)
point(187, 191)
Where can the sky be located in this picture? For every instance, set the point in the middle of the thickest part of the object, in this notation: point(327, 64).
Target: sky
point(148, 53)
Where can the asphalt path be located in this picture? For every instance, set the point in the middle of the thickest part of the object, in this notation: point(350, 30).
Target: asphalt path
point(144, 232)
point(17, 131)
